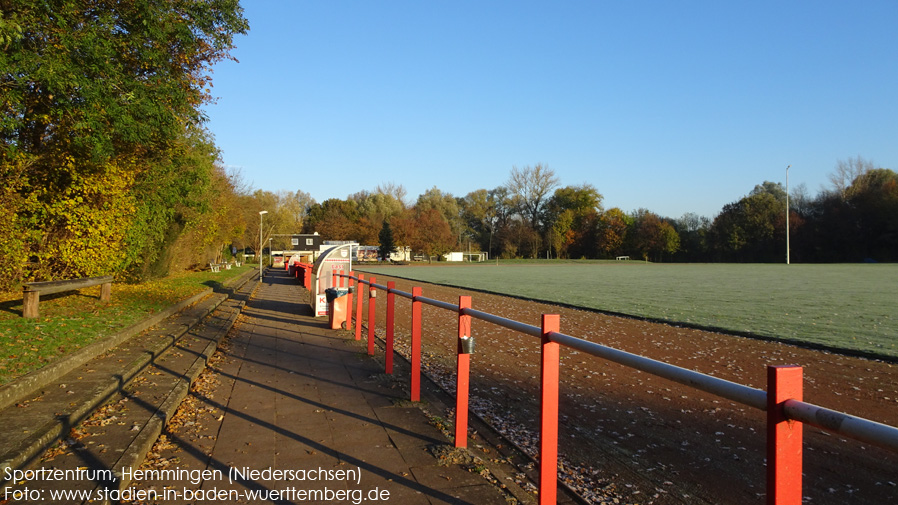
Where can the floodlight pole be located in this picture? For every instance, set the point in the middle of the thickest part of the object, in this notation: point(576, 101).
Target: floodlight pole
point(787, 214)
point(261, 213)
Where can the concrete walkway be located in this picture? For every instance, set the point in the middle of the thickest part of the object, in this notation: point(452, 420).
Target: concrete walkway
point(291, 395)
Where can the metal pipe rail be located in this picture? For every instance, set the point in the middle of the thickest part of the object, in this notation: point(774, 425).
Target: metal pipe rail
point(708, 383)
point(858, 428)
point(781, 401)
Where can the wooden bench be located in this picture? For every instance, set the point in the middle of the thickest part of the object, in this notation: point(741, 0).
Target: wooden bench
point(31, 291)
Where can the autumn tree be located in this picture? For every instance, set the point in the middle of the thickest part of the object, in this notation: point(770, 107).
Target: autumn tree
point(847, 171)
point(568, 216)
point(653, 236)
point(100, 131)
point(432, 234)
point(373, 210)
point(873, 201)
point(446, 205)
point(612, 232)
point(334, 219)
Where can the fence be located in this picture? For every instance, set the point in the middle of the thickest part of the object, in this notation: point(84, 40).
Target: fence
point(786, 412)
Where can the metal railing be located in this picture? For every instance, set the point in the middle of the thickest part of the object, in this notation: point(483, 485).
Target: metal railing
point(786, 412)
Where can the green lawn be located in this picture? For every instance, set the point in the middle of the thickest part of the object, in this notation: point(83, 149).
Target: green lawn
point(69, 321)
point(849, 306)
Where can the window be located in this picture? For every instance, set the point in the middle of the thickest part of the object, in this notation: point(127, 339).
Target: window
point(310, 241)
point(296, 241)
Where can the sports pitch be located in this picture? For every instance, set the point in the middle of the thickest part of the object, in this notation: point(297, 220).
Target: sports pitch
point(842, 306)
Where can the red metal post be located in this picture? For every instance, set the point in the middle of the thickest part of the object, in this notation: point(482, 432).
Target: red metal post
point(358, 310)
point(784, 436)
point(372, 298)
point(548, 426)
point(463, 379)
point(349, 303)
point(391, 306)
point(416, 346)
point(333, 279)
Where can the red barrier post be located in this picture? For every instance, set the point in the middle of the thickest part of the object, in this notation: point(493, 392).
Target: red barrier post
point(349, 305)
point(416, 346)
point(334, 279)
point(548, 426)
point(462, 376)
point(358, 310)
point(372, 298)
point(391, 306)
point(784, 436)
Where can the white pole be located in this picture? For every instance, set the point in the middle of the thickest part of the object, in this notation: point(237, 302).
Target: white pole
point(261, 213)
point(787, 214)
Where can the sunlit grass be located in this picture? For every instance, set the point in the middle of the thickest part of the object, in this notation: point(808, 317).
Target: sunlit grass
point(849, 306)
point(70, 321)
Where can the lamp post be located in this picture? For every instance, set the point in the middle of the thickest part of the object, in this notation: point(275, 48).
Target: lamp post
point(261, 213)
point(787, 214)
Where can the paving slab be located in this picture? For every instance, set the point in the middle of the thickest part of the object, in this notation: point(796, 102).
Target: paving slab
point(298, 398)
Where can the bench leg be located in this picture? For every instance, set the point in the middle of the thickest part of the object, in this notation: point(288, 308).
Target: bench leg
point(106, 292)
point(30, 302)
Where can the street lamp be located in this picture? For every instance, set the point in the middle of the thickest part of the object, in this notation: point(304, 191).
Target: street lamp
point(787, 214)
point(261, 213)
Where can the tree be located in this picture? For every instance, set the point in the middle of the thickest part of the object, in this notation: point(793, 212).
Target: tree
point(752, 229)
point(692, 230)
point(391, 189)
point(296, 207)
point(432, 235)
point(447, 206)
point(387, 245)
point(566, 215)
point(612, 232)
point(847, 171)
point(374, 208)
point(652, 236)
point(101, 110)
point(333, 219)
point(529, 187)
point(873, 202)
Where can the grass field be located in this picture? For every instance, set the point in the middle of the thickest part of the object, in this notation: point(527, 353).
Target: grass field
point(69, 321)
point(847, 306)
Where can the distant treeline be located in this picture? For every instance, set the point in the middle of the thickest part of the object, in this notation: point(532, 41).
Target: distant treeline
point(531, 216)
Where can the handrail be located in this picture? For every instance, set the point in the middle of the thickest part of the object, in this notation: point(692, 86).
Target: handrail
point(779, 408)
point(840, 423)
point(708, 383)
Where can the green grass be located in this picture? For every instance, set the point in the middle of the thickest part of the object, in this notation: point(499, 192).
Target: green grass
point(70, 321)
point(845, 306)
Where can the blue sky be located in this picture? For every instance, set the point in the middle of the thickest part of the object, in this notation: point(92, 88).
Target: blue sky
point(671, 106)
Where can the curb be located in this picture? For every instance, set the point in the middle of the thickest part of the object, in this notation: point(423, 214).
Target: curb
point(56, 428)
point(29, 383)
point(136, 452)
